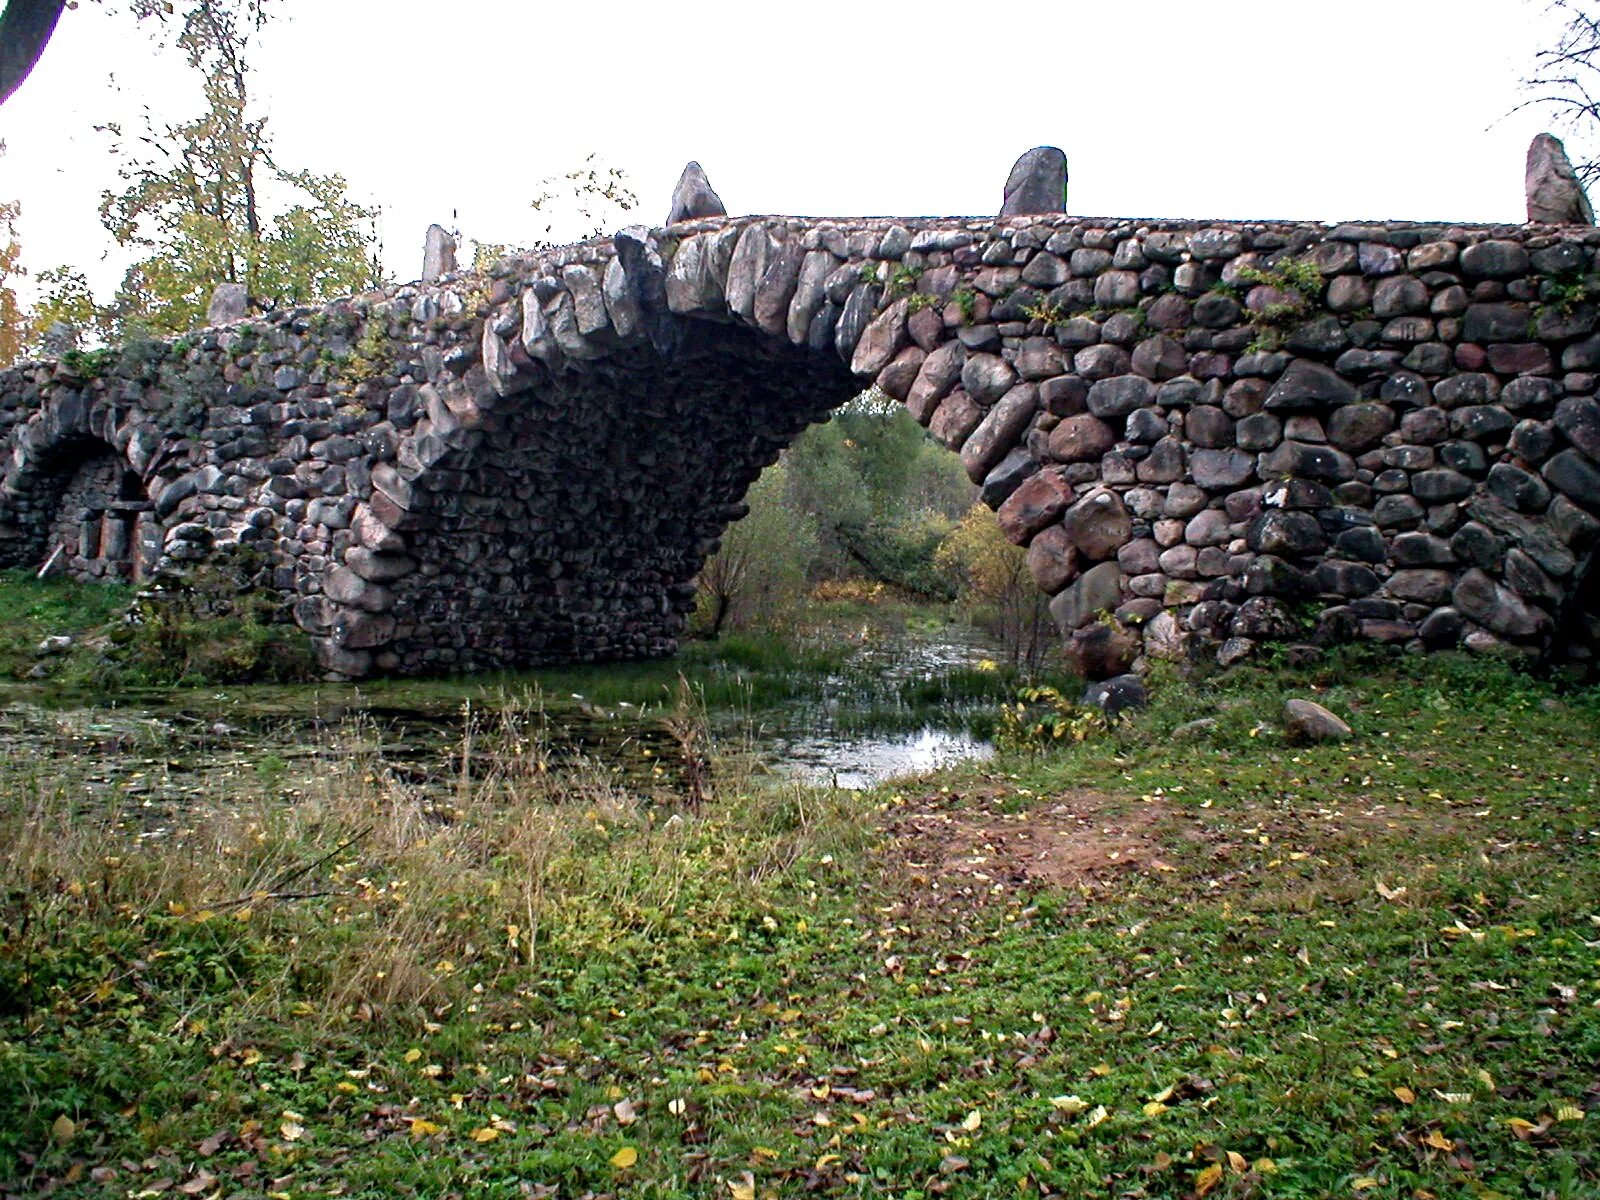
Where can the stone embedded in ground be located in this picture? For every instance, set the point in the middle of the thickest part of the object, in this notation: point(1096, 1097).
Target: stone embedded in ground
point(693, 197)
point(1307, 721)
point(1037, 183)
point(438, 254)
point(1115, 696)
point(1555, 197)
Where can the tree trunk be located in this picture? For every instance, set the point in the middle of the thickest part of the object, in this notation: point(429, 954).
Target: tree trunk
point(724, 603)
point(25, 27)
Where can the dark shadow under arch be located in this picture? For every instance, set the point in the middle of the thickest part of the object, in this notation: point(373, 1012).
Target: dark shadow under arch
point(529, 556)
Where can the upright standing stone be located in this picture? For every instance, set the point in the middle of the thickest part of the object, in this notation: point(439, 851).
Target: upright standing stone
point(694, 197)
point(58, 339)
point(1555, 197)
point(438, 254)
point(230, 302)
point(1037, 183)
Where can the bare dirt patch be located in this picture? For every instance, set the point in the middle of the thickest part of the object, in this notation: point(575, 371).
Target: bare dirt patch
point(969, 847)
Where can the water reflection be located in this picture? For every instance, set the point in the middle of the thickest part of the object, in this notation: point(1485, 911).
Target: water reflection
point(902, 701)
point(863, 760)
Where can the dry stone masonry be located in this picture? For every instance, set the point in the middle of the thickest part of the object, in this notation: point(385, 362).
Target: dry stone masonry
point(1217, 433)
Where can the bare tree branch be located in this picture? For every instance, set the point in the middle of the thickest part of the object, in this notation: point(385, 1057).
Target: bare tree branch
point(1566, 77)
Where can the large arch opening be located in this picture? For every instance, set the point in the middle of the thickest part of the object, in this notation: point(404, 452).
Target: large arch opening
point(571, 527)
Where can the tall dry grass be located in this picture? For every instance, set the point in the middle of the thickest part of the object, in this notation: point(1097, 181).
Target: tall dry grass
point(376, 889)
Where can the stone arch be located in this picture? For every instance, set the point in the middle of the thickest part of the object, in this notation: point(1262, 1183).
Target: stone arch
point(104, 526)
point(73, 503)
point(566, 517)
point(1112, 386)
point(1222, 433)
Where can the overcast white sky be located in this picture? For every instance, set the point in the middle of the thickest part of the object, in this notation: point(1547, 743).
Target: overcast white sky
point(1235, 108)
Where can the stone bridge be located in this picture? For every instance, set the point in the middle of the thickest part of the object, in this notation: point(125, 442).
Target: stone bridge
point(1219, 432)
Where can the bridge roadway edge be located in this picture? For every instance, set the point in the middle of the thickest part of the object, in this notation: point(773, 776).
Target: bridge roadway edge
point(1220, 433)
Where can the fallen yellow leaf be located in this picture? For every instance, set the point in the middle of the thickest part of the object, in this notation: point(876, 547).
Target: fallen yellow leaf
point(487, 1134)
point(1364, 1183)
point(421, 1127)
point(1237, 1162)
point(972, 1121)
point(63, 1127)
point(1569, 1112)
point(624, 1158)
point(413, 1054)
point(1071, 1105)
point(1208, 1179)
point(743, 1188)
point(1154, 1108)
point(1438, 1141)
point(1405, 1095)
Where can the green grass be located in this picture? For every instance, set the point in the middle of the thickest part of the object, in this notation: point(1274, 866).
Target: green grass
point(1365, 969)
point(37, 609)
point(185, 640)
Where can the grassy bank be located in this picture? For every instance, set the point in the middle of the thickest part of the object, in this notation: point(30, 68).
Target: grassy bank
point(121, 645)
point(115, 640)
point(1148, 965)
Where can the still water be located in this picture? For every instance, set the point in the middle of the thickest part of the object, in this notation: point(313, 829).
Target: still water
point(885, 699)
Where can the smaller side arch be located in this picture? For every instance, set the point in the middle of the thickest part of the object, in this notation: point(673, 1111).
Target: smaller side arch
point(72, 503)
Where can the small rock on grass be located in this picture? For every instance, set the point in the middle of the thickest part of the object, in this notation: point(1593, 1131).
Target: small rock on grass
point(1308, 721)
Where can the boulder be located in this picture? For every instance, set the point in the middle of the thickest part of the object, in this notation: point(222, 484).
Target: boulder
point(1100, 651)
point(1116, 696)
point(1555, 197)
point(1098, 589)
point(1037, 502)
point(1307, 721)
point(1037, 183)
point(1052, 560)
point(438, 254)
point(693, 197)
point(1098, 524)
point(230, 302)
